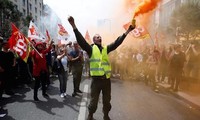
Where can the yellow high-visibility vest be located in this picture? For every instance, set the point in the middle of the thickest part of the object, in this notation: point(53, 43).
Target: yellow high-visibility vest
point(99, 62)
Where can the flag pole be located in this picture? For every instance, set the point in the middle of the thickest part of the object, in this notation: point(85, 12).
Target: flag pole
point(150, 36)
point(34, 48)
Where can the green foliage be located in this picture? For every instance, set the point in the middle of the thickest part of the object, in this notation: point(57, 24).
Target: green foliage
point(187, 18)
point(8, 14)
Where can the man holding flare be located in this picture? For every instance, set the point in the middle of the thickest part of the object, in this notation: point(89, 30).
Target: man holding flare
point(100, 69)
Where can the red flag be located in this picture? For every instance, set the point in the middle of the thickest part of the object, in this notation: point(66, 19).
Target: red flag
point(19, 43)
point(15, 31)
point(138, 32)
point(87, 37)
point(48, 36)
point(125, 26)
point(141, 32)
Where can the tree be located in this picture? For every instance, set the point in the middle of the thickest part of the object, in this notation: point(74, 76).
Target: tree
point(185, 20)
point(8, 14)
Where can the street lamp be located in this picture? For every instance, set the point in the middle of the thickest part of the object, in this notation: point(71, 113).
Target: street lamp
point(178, 31)
point(109, 21)
point(178, 34)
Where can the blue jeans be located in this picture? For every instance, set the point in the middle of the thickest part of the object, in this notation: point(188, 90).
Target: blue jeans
point(63, 77)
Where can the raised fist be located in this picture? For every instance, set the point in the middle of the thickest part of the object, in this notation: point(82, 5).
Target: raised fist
point(71, 20)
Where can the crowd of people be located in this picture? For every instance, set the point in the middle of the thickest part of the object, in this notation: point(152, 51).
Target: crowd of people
point(45, 61)
point(169, 63)
point(153, 64)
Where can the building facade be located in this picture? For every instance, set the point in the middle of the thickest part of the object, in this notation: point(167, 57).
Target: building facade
point(33, 8)
point(166, 8)
point(163, 16)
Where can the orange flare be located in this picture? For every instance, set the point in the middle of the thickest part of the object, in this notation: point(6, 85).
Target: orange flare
point(146, 6)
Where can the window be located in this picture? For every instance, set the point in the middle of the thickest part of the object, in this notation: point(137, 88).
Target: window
point(40, 5)
point(35, 1)
point(35, 10)
point(35, 18)
point(30, 6)
point(24, 12)
point(24, 2)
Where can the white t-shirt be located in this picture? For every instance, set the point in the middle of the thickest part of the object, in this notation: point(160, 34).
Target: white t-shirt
point(64, 62)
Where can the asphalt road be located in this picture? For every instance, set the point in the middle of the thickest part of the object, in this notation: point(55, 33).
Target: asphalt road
point(131, 100)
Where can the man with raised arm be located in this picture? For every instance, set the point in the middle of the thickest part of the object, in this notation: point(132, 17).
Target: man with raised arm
point(100, 69)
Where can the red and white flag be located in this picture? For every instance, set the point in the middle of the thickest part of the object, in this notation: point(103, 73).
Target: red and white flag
point(34, 33)
point(87, 37)
point(19, 43)
point(125, 26)
point(62, 34)
point(48, 36)
point(141, 32)
point(138, 32)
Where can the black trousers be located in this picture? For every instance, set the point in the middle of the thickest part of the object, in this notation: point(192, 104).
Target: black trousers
point(100, 84)
point(40, 79)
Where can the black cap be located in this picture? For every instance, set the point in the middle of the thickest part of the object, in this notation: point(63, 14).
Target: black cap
point(4, 42)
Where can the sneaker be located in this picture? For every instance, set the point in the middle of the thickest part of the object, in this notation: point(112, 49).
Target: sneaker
point(65, 94)
point(90, 117)
point(2, 115)
point(36, 99)
point(79, 91)
point(156, 90)
point(9, 92)
point(45, 95)
point(62, 95)
point(74, 94)
point(106, 117)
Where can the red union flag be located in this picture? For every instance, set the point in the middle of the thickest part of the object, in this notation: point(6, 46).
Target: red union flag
point(125, 26)
point(138, 32)
point(19, 43)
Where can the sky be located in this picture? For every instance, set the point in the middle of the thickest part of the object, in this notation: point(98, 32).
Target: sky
point(104, 17)
point(96, 16)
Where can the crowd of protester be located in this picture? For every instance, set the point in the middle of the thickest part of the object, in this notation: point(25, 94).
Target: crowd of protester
point(169, 63)
point(39, 71)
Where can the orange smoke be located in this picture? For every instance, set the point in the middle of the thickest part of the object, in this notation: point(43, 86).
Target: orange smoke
point(146, 6)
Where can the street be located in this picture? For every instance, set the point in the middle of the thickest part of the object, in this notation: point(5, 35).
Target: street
point(131, 100)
